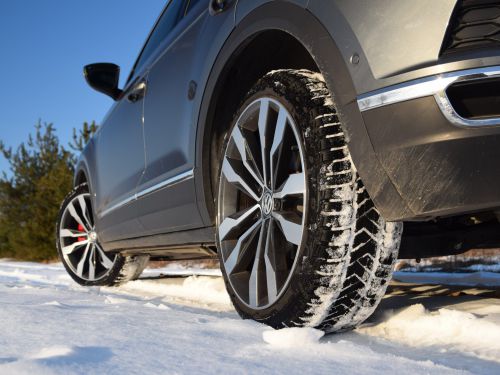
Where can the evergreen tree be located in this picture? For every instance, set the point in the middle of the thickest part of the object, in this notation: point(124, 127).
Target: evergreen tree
point(41, 176)
point(81, 138)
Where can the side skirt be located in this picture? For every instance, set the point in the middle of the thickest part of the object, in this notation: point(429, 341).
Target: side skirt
point(190, 244)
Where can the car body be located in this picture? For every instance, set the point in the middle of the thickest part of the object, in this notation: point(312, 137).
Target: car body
point(396, 68)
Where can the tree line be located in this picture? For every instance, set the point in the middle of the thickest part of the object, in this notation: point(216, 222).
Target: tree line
point(40, 176)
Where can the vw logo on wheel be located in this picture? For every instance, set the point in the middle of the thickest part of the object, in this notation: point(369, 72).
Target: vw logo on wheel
point(267, 203)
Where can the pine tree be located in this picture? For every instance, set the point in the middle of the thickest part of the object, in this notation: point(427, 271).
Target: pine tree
point(41, 176)
point(81, 138)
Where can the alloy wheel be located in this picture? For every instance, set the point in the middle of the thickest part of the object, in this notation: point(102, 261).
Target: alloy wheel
point(80, 247)
point(261, 205)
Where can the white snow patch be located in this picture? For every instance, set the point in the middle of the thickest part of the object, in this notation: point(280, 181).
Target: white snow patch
point(161, 306)
point(114, 300)
point(55, 351)
point(448, 329)
point(292, 337)
point(199, 289)
point(483, 267)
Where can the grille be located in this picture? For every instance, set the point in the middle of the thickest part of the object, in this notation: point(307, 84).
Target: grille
point(475, 24)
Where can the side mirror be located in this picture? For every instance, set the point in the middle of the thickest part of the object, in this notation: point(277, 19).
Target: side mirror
point(104, 78)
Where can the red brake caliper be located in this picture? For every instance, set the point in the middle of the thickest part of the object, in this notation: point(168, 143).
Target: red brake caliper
point(81, 229)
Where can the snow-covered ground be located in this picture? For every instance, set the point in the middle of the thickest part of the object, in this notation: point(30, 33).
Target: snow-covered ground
point(186, 325)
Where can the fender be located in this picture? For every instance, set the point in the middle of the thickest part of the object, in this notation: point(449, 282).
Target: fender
point(307, 29)
point(85, 165)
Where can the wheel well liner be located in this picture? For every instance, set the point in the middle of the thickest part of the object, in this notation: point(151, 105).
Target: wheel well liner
point(80, 177)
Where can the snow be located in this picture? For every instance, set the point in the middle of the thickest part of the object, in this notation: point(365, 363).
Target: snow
point(186, 325)
point(445, 329)
point(472, 261)
point(193, 290)
point(292, 337)
point(483, 267)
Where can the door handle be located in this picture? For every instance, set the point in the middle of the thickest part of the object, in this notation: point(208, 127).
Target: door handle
point(218, 6)
point(137, 93)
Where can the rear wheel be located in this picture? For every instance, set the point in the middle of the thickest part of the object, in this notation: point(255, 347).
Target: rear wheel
point(300, 241)
point(79, 248)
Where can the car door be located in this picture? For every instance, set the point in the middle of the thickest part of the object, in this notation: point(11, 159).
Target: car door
point(120, 163)
point(167, 191)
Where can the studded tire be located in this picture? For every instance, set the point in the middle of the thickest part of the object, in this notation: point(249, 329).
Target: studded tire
point(346, 257)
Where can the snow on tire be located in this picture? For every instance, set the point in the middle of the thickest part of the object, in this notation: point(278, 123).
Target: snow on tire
point(345, 253)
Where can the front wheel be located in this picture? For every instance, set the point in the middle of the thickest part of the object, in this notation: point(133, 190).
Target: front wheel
point(79, 248)
point(300, 241)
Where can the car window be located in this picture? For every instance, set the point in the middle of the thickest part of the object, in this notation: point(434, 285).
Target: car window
point(165, 24)
point(190, 5)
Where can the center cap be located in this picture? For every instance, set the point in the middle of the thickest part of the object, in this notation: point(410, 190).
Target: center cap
point(267, 203)
point(93, 236)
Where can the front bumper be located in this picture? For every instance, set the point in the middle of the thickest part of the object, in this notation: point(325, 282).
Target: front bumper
point(440, 162)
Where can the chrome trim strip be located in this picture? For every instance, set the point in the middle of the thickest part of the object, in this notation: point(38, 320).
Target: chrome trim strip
point(170, 182)
point(431, 86)
point(117, 206)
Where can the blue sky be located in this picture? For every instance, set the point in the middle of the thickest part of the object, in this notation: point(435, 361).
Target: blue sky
point(44, 46)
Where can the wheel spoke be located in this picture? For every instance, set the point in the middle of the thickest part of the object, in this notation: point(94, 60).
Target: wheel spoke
point(74, 214)
point(255, 281)
point(235, 255)
point(259, 243)
point(231, 223)
point(92, 263)
point(83, 206)
point(246, 155)
point(294, 185)
point(81, 263)
point(279, 133)
point(65, 233)
point(263, 116)
point(291, 229)
point(105, 261)
point(70, 248)
point(236, 179)
point(271, 267)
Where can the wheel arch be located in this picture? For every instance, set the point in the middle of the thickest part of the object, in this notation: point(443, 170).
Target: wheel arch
point(280, 35)
point(80, 176)
point(83, 171)
point(84, 168)
point(228, 93)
